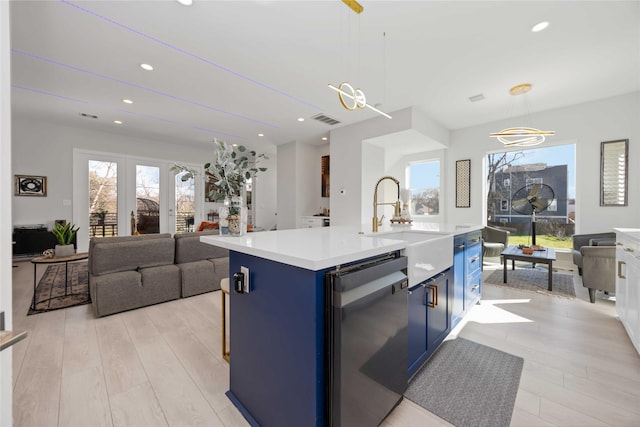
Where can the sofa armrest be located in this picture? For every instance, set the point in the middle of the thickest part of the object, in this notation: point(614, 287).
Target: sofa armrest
point(598, 267)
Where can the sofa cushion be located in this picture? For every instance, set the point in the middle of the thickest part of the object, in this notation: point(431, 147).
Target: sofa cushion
point(113, 293)
point(130, 255)
point(197, 277)
point(189, 248)
point(160, 284)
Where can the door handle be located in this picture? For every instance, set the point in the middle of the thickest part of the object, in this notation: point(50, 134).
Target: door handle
point(434, 296)
point(620, 270)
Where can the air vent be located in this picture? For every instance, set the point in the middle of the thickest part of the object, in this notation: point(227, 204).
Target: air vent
point(325, 119)
point(476, 98)
point(88, 116)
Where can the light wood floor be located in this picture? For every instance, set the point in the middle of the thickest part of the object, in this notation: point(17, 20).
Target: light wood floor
point(161, 365)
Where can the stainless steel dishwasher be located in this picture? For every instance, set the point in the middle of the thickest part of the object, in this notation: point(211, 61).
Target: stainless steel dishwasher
point(367, 340)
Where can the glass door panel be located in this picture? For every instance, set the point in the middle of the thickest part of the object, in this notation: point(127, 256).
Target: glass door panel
point(185, 207)
point(103, 198)
point(148, 199)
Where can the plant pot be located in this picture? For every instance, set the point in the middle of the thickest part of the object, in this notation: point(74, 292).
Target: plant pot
point(64, 251)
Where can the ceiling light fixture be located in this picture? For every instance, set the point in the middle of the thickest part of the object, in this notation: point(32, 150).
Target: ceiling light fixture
point(146, 67)
point(520, 135)
point(324, 138)
point(261, 134)
point(356, 95)
point(354, 5)
point(127, 101)
point(540, 26)
point(118, 122)
point(301, 119)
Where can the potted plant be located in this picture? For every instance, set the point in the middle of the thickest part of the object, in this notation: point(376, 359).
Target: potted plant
point(100, 214)
point(65, 235)
point(227, 176)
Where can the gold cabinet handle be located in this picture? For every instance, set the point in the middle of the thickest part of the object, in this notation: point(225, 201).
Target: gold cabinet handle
point(620, 270)
point(434, 296)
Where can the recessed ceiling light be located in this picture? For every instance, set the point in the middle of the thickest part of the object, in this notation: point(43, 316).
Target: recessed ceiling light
point(234, 145)
point(127, 101)
point(146, 67)
point(540, 26)
point(324, 138)
point(185, 2)
point(261, 134)
point(300, 119)
point(118, 122)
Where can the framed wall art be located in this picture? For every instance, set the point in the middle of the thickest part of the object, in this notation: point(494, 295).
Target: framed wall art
point(29, 185)
point(463, 183)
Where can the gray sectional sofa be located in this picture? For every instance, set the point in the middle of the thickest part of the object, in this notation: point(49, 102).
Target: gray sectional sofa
point(128, 272)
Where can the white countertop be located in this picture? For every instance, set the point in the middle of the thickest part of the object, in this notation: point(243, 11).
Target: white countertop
point(633, 233)
point(324, 247)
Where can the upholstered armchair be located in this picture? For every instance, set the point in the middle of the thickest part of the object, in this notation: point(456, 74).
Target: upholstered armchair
point(598, 269)
point(494, 240)
point(593, 239)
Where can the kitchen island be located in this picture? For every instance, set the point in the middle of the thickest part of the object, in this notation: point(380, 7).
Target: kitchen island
point(280, 355)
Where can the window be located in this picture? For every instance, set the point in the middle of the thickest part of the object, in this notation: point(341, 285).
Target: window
point(534, 181)
point(424, 186)
point(513, 175)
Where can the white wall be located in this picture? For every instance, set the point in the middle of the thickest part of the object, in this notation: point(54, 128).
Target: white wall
point(373, 168)
point(351, 206)
point(6, 189)
point(286, 184)
point(266, 194)
point(586, 125)
point(43, 148)
point(299, 189)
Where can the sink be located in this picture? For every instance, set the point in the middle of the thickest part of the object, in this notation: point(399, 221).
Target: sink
point(427, 253)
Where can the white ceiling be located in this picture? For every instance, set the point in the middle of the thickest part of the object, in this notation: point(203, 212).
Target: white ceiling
point(233, 69)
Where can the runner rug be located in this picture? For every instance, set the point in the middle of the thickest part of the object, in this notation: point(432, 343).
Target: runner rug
point(468, 384)
point(50, 292)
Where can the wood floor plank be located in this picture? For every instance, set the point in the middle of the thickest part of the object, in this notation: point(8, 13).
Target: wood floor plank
point(139, 326)
point(137, 407)
point(180, 398)
point(120, 362)
point(81, 349)
point(36, 395)
point(567, 401)
point(83, 400)
point(210, 374)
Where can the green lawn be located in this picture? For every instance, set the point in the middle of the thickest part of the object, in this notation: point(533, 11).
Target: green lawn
point(543, 240)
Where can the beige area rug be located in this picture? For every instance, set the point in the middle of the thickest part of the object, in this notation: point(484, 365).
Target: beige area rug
point(531, 279)
point(50, 292)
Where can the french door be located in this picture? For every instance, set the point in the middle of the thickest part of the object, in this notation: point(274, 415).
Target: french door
point(118, 195)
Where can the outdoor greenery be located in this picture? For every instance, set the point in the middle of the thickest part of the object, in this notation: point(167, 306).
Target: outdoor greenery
point(543, 240)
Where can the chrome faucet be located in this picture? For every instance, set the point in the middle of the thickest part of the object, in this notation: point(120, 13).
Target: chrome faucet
point(396, 205)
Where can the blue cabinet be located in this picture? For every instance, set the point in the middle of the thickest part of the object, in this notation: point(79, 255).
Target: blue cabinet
point(467, 274)
point(429, 315)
